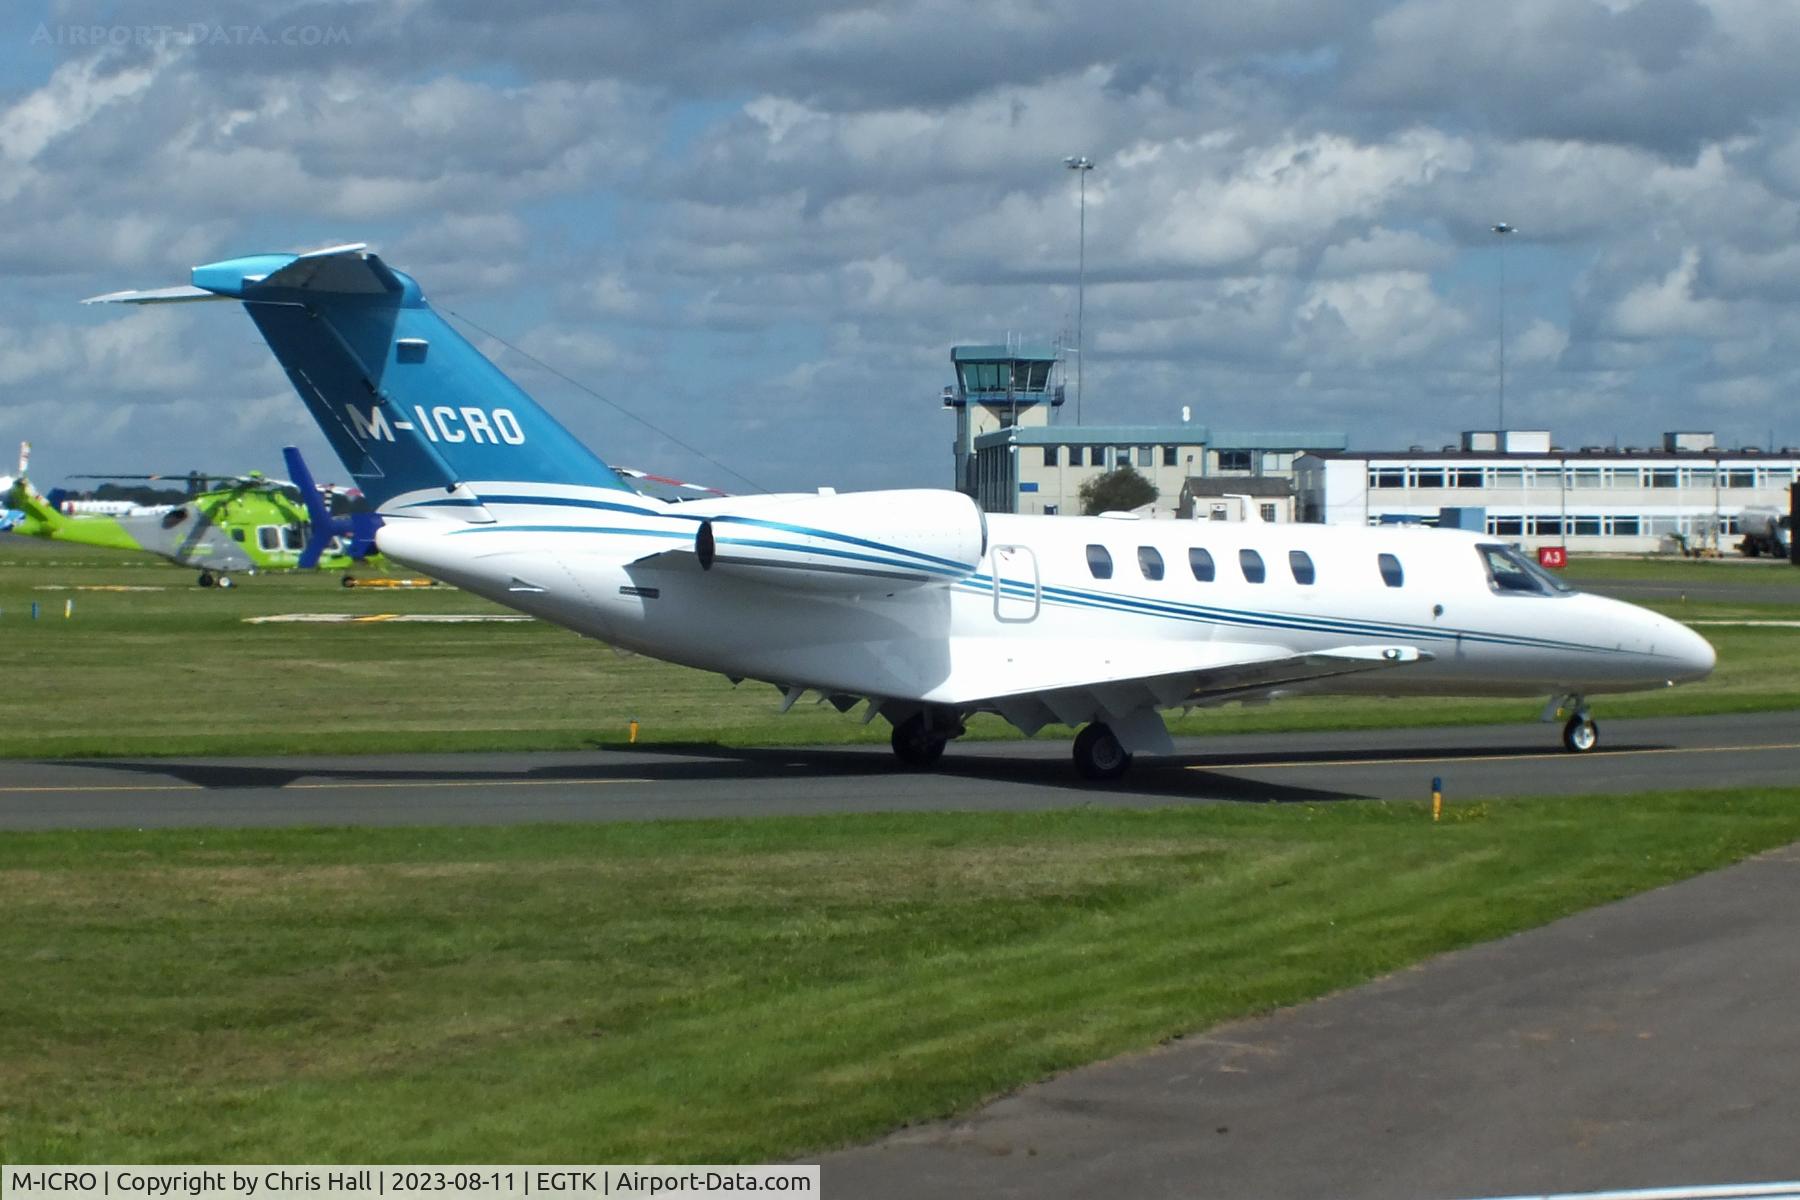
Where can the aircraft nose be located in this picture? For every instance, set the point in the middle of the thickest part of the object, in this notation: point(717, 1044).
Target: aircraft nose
point(1693, 654)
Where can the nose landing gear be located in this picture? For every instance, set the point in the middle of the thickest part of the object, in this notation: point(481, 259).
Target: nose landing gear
point(1579, 734)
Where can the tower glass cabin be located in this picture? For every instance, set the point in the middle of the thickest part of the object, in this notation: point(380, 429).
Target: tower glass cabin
point(999, 387)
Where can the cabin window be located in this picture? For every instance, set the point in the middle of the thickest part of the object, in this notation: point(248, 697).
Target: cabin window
point(268, 537)
point(1150, 562)
point(1391, 574)
point(1200, 562)
point(237, 535)
point(1099, 561)
point(1512, 574)
point(293, 538)
point(1301, 564)
point(1251, 564)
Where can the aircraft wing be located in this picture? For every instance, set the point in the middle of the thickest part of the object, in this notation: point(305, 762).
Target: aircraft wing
point(1034, 686)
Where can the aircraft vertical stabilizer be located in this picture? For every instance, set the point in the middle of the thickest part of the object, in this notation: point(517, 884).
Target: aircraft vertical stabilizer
point(406, 402)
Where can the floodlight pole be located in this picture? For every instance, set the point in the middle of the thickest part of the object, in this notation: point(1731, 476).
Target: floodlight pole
point(1501, 229)
point(1081, 165)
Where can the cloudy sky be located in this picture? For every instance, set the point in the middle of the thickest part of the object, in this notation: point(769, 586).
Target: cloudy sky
point(759, 227)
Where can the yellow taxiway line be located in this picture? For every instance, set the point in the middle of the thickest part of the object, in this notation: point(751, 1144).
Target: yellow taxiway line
point(1462, 758)
point(333, 786)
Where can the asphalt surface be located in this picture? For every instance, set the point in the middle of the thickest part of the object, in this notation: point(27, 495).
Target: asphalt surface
point(1647, 1044)
point(651, 783)
point(1781, 585)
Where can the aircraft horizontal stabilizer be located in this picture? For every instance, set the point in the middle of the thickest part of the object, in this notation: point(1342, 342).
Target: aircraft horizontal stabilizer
point(1135, 677)
point(338, 269)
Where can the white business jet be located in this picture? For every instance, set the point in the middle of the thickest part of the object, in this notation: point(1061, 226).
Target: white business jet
point(913, 602)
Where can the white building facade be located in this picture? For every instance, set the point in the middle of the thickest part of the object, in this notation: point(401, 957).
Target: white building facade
point(1515, 485)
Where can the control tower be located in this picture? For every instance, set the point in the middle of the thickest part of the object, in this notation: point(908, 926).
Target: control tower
point(999, 387)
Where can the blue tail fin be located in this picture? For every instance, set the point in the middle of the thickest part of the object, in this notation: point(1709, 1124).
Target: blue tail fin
point(406, 402)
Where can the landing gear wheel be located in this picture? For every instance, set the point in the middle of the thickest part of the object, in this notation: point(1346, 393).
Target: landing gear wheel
point(206, 579)
point(915, 745)
point(1098, 754)
point(348, 581)
point(1581, 734)
point(225, 581)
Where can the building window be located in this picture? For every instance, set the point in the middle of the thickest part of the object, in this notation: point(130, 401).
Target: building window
point(1584, 526)
point(1740, 477)
point(1150, 562)
point(1391, 574)
point(1251, 564)
point(1506, 526)
point(1622, 526)
point(1466, 478)
point(1053, 456)
point(1301, 564)
point(1429, 477)
point(1146, 456)
point(1200, 562)
point(1049, 510)
point(1387, 477)
point(1268, 514)
point(1234, 460)
point(1099, 562)
point(1584, 477)
point(1665, 477)
point(1096, 456)
point(1169, 457)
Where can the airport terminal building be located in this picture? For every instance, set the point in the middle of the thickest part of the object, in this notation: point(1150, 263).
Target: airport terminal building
point(1012, 459)
point(1513, 484)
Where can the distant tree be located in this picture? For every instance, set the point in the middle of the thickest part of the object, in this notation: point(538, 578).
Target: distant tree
point(1119, 490)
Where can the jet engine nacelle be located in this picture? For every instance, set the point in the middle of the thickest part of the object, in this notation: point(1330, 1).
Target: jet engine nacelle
point(863, 542)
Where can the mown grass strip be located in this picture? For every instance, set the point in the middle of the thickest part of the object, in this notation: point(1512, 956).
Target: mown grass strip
point(178, 672)
point(725, 990)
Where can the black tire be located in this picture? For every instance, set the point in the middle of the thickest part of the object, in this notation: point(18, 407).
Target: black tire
point(348, 581)
point(1098, 754)
point(1580, 735)
point(915, 745)
point(206, 579)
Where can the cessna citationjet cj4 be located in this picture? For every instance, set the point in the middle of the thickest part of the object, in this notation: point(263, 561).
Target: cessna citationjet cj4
point(914, 601)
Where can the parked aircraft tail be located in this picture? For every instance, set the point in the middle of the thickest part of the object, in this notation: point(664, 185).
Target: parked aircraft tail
point(22, 508)
point(406, 402)
point(357, 530)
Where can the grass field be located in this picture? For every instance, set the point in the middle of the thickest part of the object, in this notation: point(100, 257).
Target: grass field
point(725, 991)
point(178, 671)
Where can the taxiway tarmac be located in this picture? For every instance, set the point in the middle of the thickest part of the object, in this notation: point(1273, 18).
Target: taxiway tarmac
point(1647, 1044)
point(663, 782)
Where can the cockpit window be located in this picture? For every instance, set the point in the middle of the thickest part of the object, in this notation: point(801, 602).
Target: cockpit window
point(1512, 574)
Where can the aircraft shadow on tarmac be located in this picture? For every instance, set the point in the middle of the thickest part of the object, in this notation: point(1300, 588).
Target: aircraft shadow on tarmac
point(1181, 778)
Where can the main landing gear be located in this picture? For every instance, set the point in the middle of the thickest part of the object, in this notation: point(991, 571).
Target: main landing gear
point(1099, 755)
point(1579, 734)
point(919, 740)
point(208, 579)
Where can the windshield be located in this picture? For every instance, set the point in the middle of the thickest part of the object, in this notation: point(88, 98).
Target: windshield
point(1512, 574)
